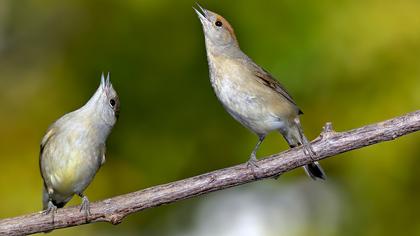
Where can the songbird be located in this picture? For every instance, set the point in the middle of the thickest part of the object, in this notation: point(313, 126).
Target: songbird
point(249, 93)
point(73, 148)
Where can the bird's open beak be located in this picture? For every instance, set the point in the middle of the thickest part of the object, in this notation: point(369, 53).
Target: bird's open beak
point(202, 13)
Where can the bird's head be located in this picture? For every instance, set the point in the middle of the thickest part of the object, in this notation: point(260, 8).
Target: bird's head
point(105, 102)
point(217, 29)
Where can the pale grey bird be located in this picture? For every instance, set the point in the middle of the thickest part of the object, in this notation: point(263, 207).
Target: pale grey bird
point(248, 92)
point(73, 148)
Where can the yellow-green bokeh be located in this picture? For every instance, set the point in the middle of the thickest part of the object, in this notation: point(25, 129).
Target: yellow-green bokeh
point(348, 62)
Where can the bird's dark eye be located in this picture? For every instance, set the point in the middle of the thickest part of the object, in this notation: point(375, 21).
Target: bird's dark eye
point(218, 23)
point(112, 102)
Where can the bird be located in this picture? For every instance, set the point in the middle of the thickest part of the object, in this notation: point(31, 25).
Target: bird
point(73, 149)
point(250, 94)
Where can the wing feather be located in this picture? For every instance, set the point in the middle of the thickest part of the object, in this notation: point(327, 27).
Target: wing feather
point(47, 137)
point(268, 80)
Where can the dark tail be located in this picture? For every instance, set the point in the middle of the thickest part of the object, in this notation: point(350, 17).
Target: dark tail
point(45, 199)
point(295, 137)
point(315, 171)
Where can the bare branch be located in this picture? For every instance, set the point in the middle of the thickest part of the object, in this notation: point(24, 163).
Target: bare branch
point(113, 210)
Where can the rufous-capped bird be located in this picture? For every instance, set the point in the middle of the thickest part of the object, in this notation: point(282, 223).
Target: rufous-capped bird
point(249, 93)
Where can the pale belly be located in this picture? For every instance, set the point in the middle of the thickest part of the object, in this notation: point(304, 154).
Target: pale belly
point(70, 173)
point(251, 102)
point(255, 111)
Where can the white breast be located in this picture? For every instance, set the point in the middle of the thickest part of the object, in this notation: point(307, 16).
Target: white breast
point(235, 89)
point(70, 161)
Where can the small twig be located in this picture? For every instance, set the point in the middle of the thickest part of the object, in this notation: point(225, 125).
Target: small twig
point(113, 210)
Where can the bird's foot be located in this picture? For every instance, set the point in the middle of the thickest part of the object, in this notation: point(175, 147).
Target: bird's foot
point(309, 151)
point(85, 207)
point(51, 209)
point(252, 163)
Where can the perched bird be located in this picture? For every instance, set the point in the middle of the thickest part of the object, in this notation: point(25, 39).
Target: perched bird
point(73, 148)
point(249, 93)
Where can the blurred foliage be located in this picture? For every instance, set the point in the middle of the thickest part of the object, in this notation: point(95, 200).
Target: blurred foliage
point(349, 62)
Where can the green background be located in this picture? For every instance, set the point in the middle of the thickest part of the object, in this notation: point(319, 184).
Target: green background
point(348, 62)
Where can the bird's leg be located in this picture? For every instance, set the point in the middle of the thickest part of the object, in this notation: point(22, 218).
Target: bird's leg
point(253, 158)
point(307, 147)
point(309, 151)
point(85, 205)
point(51, 209)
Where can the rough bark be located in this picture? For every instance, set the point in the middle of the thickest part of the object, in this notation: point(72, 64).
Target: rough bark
point(113, 210)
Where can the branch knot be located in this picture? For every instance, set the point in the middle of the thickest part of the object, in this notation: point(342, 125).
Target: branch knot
point(327, 130)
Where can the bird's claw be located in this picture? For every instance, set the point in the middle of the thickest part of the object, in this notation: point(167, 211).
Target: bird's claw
point(51, 209)
point(85, 207)
point(309, 151)
point(252, 162)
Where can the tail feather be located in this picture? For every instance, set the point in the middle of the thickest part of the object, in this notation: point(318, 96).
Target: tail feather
point(44, 198)
point(315, 171)
point(295, 137)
